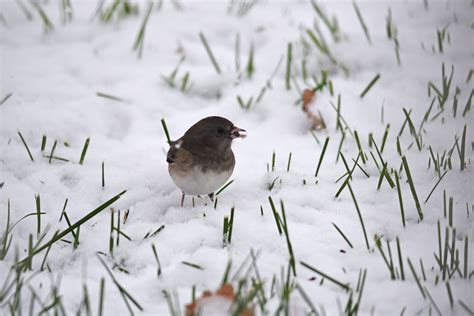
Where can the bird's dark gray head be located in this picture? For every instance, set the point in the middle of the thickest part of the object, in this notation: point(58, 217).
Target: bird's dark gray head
point(214, 131)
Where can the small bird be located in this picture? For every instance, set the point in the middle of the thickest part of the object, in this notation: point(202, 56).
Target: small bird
point(201, 161)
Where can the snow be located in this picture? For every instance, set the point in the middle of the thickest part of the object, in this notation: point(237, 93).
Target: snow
point(54, 79)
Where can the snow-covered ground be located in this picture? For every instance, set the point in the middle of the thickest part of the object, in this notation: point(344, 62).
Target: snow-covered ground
point(54, 80)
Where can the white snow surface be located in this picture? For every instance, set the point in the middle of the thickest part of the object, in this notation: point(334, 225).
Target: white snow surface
point(54, 78)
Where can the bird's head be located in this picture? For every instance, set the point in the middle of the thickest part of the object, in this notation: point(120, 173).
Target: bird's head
point(216, 132)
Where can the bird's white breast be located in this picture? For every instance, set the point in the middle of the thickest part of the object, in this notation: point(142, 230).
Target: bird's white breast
point(197, 182)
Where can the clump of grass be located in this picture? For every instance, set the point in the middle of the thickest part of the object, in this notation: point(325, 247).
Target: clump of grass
point(441, 35)
point(228, 227)
point(118, 8)
point(58, 236)
point(245, 105)
point(444, 92)
point(126, 296)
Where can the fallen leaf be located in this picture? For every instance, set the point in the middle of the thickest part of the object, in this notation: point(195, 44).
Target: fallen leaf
point(316, 121)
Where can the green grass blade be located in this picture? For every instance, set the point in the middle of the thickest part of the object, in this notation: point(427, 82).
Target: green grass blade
point(369, 86)
point(209, 52)
point(322, 156)
point(324, 275)
point(84, 151)
point(26, 146)
point(412, 187)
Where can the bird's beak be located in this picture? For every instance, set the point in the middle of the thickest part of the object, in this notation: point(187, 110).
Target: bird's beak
point(237, 132)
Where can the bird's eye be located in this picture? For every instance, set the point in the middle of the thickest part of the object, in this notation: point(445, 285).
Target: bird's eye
point(220, 131)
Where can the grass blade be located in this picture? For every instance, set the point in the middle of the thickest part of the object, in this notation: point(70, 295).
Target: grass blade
point(432, 190)
point(412, 188)
point(362, 22)
point(343, 235)
point(209, 52)
point(289, 57)
point(84, 151)
point(138, 45)
point(109, 96)
point(324, 275)
point(5, 98)
point(275, 215)
point(360, 215)
point(192, 265)
point(371, 83)
point(224, 187)
point(400, 198)
point(322, 156)
point(165, 128)
point(26, 146)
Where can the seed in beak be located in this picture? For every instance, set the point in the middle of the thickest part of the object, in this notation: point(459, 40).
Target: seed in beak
point(237, 132)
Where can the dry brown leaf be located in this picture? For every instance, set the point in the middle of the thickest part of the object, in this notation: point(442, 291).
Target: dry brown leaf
point(316, 121)
point(225, 291)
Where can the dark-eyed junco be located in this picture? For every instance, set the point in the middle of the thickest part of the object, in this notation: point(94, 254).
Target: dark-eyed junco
point(201, 161)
